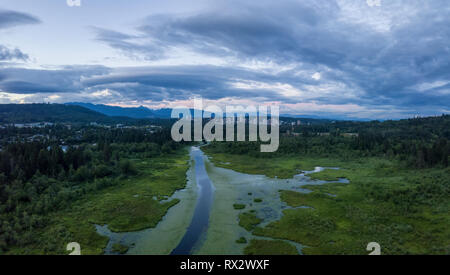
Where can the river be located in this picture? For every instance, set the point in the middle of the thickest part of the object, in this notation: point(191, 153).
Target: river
point(205, 222)
point(200, 221)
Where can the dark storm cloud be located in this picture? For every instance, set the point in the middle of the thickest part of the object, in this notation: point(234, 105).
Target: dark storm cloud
point(403, 65)
point(30, 81)
point(382, 66)
point(179, 82)
point(23, 87)
point(267, 30)
point(140, 83)
point(13, 18)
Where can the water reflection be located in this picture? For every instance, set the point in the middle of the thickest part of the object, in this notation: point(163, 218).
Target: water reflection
point(199, 223)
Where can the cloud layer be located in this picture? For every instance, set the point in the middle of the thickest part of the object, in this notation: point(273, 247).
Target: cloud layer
point(374, 59)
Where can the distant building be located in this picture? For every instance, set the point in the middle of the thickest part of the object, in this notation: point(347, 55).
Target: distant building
point(32, 125)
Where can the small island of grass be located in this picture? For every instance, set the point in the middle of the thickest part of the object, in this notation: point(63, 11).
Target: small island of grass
point(241, 240)
point(249, 221)
point(119, 248)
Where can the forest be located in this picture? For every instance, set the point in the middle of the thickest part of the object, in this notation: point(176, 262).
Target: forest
point(398, 192)
point(38, 178)
point(66, 113)
point(421, 143)
point(45, 171)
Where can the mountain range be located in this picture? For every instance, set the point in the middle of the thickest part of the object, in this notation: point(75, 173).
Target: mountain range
point(144, 112)
point(116, 111)
point(77, 112)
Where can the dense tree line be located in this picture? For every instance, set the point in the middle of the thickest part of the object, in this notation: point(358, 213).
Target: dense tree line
point(421, 143)
point(37, 178)
point(419, 150)
point(34, 113)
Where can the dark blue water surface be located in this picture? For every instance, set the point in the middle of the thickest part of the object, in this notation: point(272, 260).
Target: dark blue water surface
point(200, 220)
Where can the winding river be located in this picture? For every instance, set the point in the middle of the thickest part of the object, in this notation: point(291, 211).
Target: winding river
point(205, 222)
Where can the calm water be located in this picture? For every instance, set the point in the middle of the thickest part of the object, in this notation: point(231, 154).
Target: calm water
point(200, 220)
point(205, 222)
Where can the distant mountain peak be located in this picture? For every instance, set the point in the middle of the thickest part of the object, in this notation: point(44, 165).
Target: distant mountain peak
point(117, 111)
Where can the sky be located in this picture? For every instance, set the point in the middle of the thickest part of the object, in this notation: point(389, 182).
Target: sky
point(348, 59)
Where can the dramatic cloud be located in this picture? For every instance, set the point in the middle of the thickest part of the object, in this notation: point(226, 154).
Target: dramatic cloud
point(141, 83)
point(381, 65)
point(30, 81)
point(375, 58)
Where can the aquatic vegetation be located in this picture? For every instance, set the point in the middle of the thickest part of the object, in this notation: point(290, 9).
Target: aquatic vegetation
point(403, 209)
point(281, 167)
point(241, 240)
point(117, 206)
point(249, 220)
point(329, 175)
point(238, 206)
point(268, 247)
point(366, 210)
point(119, 248)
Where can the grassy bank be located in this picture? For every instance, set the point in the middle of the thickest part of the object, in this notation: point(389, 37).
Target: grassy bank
point(280, 167)
point(131, 204)
point(404, 210)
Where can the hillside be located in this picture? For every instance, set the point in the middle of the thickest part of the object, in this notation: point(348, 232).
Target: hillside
point(29, 113)
point(133, 112)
